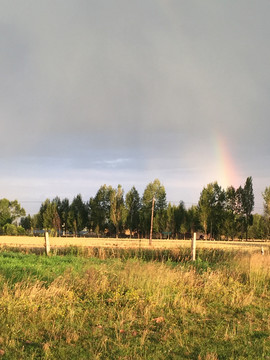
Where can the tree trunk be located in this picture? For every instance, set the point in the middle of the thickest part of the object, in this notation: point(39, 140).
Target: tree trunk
point(246, 228)
point(205, 229)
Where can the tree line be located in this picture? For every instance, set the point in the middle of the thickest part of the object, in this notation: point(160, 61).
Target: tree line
point(219, 214)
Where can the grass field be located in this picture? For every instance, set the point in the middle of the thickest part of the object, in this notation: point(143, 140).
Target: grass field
point(27, 241)
point(115, 305)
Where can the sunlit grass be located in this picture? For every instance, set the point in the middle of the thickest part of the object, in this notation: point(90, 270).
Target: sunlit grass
point(28, 241)
point(80, 307)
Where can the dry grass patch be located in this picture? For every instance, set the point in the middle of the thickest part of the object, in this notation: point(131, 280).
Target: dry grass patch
point(131, 309)
point(28, 241)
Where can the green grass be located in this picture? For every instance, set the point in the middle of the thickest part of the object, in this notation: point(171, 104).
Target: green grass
point(130, 305)
point(16, 267)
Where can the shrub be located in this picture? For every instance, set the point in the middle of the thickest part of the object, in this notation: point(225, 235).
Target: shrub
point(20, 230)
point(10, 229)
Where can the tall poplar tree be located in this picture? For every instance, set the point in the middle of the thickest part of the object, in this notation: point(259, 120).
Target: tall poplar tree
point(154, 190)
point(117, 208)
point(100, 209)
point(78, 214)
point(133, 206)
point(211, 208)
point(232, 215)
point(266, 198)
point(247, 203)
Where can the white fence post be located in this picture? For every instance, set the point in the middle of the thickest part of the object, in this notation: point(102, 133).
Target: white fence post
point(193, 247)
point(47, 243)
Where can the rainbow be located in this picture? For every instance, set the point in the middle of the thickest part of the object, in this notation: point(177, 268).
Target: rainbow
point(226, 170)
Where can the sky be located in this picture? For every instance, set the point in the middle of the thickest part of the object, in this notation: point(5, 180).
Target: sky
point(97, 92)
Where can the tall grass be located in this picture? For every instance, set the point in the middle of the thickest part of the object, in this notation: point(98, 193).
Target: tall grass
point(180, 254)
point(130, 306)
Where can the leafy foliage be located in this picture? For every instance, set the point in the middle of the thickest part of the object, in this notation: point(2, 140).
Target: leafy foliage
point(157, 191)
point(10, 211)
point(117, 208)
point(247, 203)
point(133, 207)
point(219, 213)
point(211, 208)
point(266, 198)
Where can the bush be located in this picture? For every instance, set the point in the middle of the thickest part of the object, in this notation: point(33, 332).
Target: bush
point(10, 229)
point(20, 230)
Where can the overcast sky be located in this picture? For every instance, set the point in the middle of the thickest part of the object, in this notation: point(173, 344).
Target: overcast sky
point(99, 92)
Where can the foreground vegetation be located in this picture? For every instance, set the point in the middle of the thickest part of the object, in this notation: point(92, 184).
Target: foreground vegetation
point(119, 305)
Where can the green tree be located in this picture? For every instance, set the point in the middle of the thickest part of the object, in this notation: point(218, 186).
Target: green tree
point(247, 203)
point(232, 214)
point(10, 211)
point(27, 223)
point(211, 209)
point(100, 209)
point(20, 230)
point(51, 218)
point(47, 214)
point(205, 208)
point(133, 206)
point(117, 208)
point(171, 223)
point(181, 219)
point(37, 221)
point(10, 229)
point(78, 214)
point(193, 219)
point(157, 191)
point(176, 219)
point(184, 229)
point(64, 211)
point(266, 198)
point(258, 229)
point(16, 210)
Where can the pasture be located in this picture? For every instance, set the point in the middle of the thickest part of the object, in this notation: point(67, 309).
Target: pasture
point(31, 241)
point(106, 301)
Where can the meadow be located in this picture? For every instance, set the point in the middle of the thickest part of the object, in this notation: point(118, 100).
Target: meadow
point(57, 242)
point(105, 302)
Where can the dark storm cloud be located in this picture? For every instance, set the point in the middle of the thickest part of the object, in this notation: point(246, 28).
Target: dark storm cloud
point(142, 85)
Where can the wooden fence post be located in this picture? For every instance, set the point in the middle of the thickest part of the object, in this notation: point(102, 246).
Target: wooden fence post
point(47, 243)
point(193, 247)
point(152, 218)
